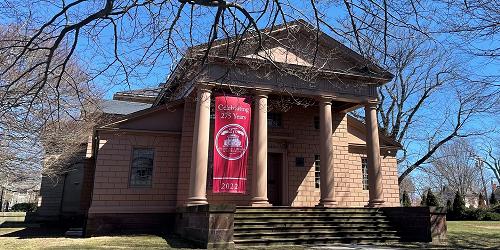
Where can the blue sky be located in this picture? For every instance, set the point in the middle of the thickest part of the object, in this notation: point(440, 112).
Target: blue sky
point(95, 57)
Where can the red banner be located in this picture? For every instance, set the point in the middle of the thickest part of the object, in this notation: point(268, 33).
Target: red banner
point(231, 139)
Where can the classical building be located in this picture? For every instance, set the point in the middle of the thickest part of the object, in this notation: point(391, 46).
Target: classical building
point(154, 167)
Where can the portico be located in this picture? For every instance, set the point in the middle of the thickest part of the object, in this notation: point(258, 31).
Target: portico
point(259, 185)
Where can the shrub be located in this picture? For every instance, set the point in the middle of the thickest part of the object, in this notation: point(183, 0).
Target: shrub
point(24, 207)
point(405, 201)
point(493, 199)
point(458, 206)
point(496, 208)
point(423, 202)
point(492, 216)
point(431, 200)
point(449, 207)
point(475, 214)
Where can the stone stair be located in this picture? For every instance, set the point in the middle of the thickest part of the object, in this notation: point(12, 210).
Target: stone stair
point(303, 226)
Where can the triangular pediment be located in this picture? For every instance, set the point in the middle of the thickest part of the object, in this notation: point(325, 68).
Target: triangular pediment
point(279, 55)
point(297, 43)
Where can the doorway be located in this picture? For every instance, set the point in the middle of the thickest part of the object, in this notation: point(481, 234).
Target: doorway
point(275, 178)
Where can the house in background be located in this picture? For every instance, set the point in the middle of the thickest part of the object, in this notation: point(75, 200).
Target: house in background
point(10, 197)
point(310, 163)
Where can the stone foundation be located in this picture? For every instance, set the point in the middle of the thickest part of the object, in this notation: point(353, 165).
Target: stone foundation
point(210, 226)
point(105, 224)
point(419, 224)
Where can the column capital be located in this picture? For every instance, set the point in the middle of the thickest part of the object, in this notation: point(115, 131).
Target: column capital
point(372, 104)
point(327, 99)
point(261, 92)
point(204, 87)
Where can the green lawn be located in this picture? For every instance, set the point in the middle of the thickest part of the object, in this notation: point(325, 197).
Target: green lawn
point(474, 234)
point(461, 235)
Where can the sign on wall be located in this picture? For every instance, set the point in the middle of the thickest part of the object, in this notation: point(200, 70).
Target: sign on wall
point(231, 139)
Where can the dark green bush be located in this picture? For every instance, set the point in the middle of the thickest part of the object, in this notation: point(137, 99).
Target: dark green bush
point(493, 199)
point(423, 202)
point(478, 214)
point(475, 214)
point(458, 206)
point(431, 200)
point(496, 208)
point(405, 200)
point(449, 206)
point(492, 216)
point(24, 207)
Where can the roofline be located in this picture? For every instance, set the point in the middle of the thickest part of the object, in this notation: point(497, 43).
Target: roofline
point(306, 26)
point(140, 113)
point(386, 76)
point(360, 124)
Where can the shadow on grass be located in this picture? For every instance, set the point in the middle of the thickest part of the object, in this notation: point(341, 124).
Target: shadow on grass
point(36, 232)
point(174, 241)
point(170, 240)
point(473, 241)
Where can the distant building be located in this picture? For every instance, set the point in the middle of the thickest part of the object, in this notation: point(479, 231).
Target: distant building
point(10, 197)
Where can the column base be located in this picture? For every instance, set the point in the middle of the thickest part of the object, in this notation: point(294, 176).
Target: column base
point(375, 203)
point(327, 203)
point(259, 202)
point(195, 201)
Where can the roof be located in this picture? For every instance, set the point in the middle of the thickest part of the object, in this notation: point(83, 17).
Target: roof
point(359, 66)
point(118, 107)
point(384, 139)
point(146, 95)
point(364, 65)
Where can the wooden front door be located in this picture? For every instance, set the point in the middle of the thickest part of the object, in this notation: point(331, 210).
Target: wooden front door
point(274, 178)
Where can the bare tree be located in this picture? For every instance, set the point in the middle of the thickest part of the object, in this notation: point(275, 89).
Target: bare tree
point(32, 118)
point(490, 158)
point(455, 167)
point(133, 41)
point(434, 96)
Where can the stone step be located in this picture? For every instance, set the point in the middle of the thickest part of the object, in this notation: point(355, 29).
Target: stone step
point(307, 215)
point(315, 241)
point(310, 228)
point(316, 219)
point(292, 226)
point(307, 235)
point(304, 209)
point(74, 233)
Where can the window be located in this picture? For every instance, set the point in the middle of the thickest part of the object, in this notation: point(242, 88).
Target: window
point(364, 169)
point(274, 120)
point(316, 171)
point(316, 122)
point(141, 174)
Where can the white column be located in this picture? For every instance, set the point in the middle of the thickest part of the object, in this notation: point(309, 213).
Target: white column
point(259, 157)
point(327, 181)
point(199, 155)
point(373, 156)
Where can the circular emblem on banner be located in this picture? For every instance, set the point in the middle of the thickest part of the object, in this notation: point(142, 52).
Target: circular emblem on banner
point(231, 142)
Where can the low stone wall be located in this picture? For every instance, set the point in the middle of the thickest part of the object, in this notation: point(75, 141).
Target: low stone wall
point(210, 226)
point(103, 224)
point(419, 224)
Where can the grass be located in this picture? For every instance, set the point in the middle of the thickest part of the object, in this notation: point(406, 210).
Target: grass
point(42, 238)
point(474, 234)
point(461, 235)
